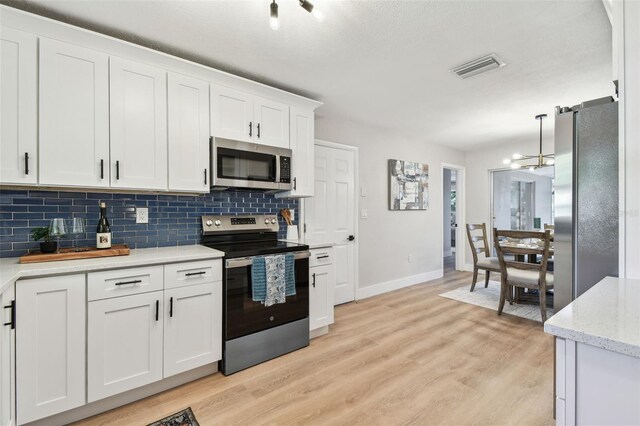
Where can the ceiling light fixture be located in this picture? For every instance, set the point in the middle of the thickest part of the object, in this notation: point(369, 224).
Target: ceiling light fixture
point(308, 6)
point(274, 23)
point(519, 161)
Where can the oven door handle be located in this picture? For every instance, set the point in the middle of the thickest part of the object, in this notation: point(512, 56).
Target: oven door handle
point(247, 261)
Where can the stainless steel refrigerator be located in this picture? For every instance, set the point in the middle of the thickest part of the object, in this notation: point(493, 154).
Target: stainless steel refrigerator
point(586, 197)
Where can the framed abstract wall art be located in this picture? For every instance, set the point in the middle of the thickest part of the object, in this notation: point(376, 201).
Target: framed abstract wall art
point(408, 186)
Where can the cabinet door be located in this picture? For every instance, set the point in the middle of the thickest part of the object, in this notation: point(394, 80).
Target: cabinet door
point(74, 115)
point(18, 107)
point(7, 360)
point(193, 327)
point(188, 134)
point(302, 166)
point(138, 125)
point(272, 120)
point(50, 352)
point(124, 344)
point(322, 281)
point(232, 114)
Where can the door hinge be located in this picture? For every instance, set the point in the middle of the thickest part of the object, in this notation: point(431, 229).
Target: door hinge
point(305, 228)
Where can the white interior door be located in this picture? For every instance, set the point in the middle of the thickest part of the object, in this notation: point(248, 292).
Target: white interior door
point(330, 214)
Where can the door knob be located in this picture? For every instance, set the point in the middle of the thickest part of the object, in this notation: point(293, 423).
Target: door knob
point(351, 238)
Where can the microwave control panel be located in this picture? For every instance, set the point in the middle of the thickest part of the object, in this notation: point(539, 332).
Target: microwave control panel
point(285, 169)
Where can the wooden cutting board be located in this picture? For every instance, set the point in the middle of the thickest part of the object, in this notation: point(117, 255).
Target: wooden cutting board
point(71, 254)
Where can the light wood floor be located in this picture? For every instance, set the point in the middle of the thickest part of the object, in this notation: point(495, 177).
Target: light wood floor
point(406, 357)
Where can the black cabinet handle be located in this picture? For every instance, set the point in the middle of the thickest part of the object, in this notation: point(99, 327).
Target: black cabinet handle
point(314, 279)
point(157, 309)
point(101, 168)
point(322, 257)
point(171, 307)
point(117, 170)
point(295, 183)
point(351, 238)
point(205, 176)
point(250, 127)
point(258, 130)
point(189, 274)
point(129, 282)
point(26, 163)
point(12, 306)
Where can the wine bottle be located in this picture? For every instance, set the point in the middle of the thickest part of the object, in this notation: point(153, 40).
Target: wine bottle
point(103, 233)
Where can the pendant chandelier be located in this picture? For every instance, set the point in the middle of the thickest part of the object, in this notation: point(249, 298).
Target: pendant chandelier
point(532, 162)
point(274, 21)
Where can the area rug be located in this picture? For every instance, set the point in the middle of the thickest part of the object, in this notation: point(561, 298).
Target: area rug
point(489, 298)
point(181, 418)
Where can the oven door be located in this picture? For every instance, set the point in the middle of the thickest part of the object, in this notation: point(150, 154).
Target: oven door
point(237, 164)
point(243, 316)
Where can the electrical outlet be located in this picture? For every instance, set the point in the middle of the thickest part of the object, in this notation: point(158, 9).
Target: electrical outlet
point(142, 215)
point(364, 213)
point(410, 258)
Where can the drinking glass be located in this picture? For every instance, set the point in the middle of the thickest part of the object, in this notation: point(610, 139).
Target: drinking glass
point(57, 230)
point(76, 226)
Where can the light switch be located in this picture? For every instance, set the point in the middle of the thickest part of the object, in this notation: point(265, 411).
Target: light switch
point(363, 192)
point(364, 213)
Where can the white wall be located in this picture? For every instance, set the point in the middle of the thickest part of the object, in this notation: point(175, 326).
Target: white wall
point(387, 238)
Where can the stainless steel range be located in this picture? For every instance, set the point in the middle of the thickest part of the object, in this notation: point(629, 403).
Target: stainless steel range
point(253, 332)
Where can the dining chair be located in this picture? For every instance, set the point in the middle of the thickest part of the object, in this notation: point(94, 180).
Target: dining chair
point(522, 274)
point(477, 235)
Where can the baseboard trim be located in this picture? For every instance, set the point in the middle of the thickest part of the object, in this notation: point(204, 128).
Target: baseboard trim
point(385, 287)
point(468, 267)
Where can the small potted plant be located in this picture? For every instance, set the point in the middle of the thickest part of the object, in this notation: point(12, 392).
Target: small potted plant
point(47, 246)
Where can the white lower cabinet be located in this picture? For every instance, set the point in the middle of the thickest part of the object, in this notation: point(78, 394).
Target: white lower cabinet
point(124, 343)
point(50, 351)
point(192, 331)
point(322, 281)
point(7, 358)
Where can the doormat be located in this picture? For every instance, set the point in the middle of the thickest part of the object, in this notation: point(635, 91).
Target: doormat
point(181, 418)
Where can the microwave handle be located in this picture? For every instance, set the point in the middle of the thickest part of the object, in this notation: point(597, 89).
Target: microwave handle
point(277, 168)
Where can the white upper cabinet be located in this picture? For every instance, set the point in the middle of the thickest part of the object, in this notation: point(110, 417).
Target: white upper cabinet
point(302, 167)
point(188, 102)
point(74, 115)
point(242, 116)
point(51, 345)
point(232, 114)
point(18, 107)
point(272, 122)
point(138, 125)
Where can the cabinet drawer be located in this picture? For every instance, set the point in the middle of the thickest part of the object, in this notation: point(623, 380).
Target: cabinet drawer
point(190, 273)
point(321, 257)
point(124, 282)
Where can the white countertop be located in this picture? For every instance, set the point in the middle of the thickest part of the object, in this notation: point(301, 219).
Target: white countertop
point(11, 270)
point(606, 316)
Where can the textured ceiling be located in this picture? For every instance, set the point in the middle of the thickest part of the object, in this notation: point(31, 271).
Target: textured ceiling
point(385, 63)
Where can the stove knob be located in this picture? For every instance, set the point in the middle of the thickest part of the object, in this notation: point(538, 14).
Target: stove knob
point(273, 221)
point(266, 221)
point(209, 222)
point(218, 223)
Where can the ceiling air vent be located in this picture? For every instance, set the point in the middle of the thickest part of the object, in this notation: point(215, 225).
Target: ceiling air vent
point(478, 66)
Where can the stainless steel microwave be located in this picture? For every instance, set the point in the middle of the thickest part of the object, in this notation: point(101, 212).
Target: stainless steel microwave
point(244, 165)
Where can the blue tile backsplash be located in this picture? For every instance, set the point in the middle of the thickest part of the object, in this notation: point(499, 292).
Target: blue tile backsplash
point(173, 219)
